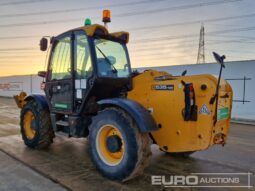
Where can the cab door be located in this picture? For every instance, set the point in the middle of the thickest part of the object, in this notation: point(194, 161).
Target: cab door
point(83, 70)
point(60, 81)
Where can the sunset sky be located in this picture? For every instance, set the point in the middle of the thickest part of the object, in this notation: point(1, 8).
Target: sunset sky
point(162, 32)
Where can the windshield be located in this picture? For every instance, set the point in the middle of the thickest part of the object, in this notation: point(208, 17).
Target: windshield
point(112, 60)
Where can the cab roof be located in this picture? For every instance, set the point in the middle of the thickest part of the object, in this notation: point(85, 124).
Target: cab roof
point(97, 29)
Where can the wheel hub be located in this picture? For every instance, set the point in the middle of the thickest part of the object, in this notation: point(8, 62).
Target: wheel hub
point(110, 145)
point(113, 143)
point(29, 125)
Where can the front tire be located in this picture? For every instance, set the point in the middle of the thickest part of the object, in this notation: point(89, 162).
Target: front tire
point(36, 128)
point(117, 148)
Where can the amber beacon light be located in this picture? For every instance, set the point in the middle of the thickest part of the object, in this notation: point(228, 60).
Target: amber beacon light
point(106, 17)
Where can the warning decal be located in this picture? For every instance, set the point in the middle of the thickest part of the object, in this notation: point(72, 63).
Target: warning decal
point(204, 110)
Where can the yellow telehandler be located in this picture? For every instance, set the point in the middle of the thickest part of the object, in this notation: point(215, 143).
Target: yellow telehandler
point(91, 91)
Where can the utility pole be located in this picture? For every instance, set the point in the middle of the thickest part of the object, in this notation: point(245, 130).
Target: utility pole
point(201, 48)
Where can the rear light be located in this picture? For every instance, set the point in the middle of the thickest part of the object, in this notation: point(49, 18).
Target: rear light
point(190, 110)
point(191, 94)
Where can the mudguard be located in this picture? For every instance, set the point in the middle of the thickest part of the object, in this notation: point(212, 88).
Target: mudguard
point(40, 99)
point(142, 116)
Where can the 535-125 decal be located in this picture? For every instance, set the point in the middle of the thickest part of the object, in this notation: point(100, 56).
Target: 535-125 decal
point(163, 87)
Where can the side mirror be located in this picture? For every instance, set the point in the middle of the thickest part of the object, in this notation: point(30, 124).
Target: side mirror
point(43, 44)
point(219, 59)
point(42, 74)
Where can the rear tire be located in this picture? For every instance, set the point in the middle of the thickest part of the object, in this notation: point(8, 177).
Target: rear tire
point(134, 147)
point(36, 128)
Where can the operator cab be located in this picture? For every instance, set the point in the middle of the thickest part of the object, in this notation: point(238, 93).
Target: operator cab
point(86, 65)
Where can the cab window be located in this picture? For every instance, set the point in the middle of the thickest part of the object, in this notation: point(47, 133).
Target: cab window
point(60, 67)
point(83, 64)
point(112, 59)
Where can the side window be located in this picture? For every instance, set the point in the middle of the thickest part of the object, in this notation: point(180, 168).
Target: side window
point(83, 65)
point(61, 60)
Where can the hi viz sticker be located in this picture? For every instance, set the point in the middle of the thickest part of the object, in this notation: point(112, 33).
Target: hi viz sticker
point(223, 113)
point(204, 110)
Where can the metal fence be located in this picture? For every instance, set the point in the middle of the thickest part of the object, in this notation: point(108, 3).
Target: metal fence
point(244, 79)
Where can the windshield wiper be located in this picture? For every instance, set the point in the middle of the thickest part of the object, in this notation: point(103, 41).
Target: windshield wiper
point(114, 70)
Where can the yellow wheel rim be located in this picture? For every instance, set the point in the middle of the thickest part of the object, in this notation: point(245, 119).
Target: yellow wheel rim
point(108, 157)
point(28, 119)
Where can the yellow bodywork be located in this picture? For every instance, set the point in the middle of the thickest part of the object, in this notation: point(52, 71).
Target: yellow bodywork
point(166, 106)
point(20, 99)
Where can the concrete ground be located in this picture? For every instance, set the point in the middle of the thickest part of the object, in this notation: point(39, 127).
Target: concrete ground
point(67, 165)
point(17, 176)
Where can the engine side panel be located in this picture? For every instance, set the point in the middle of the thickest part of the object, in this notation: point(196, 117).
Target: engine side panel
point(166, 101)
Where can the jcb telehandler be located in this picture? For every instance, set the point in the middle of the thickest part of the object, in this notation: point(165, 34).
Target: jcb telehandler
point(90, 91)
